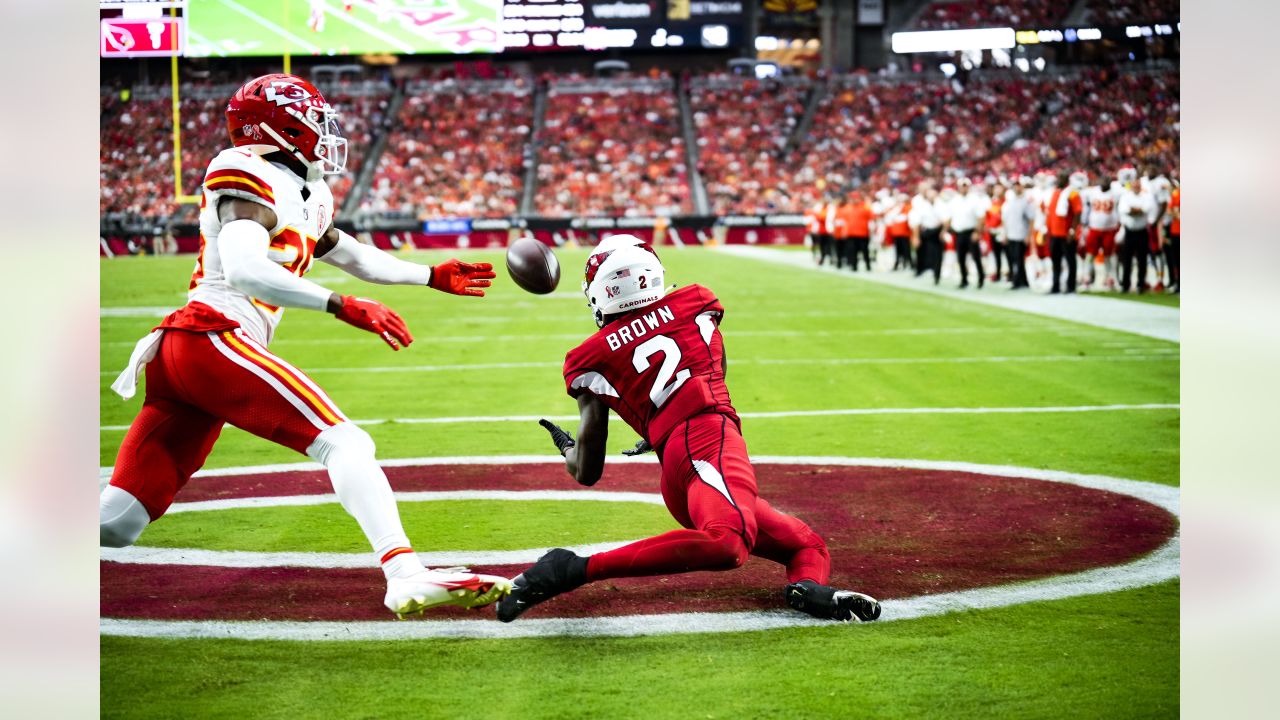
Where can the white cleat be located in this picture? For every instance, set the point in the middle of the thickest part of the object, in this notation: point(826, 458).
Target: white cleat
point(452, 586)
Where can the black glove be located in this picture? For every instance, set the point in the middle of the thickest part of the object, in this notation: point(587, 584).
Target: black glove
point(562, 439)
point(641, 448)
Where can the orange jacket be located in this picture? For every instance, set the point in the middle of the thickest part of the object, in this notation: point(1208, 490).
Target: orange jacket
point(1175, 209)
point(1061, 225)
point(901, 228)
point(859, 219)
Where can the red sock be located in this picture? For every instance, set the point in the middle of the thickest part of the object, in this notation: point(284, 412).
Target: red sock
point(678, 551)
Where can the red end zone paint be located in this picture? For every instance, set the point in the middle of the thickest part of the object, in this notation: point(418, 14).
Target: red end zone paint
point(892, 532)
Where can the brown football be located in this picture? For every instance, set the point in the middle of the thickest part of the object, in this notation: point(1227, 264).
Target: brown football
point(533, 266)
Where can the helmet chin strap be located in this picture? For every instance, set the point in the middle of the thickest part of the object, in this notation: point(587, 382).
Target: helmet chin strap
point(313, 172)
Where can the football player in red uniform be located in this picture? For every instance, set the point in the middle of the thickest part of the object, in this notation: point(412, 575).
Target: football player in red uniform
point(658, 361)
point(266, 214)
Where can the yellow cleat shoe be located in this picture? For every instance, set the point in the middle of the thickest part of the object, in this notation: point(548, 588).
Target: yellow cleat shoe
point(433, 588)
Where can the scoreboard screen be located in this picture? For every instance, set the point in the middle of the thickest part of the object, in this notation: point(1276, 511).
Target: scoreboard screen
point(232, 28)
point(141, 28)
point(606, 24)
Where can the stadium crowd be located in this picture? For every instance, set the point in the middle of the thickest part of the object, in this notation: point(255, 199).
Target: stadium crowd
point(136, 144)
point(743, 130)
point(1038, 14)
point(615, 152)
point(455, 150)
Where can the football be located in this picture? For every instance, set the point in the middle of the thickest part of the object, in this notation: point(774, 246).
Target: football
point(533, 266)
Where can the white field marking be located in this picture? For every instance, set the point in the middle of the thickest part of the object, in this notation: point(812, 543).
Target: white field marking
point(1161, 565)
point(1112, 313)
point(269, 25)
point(418, 496)
point(764, 415)
point(131, 311)
point(753, 361)
point(247, 559)
point(736, 333)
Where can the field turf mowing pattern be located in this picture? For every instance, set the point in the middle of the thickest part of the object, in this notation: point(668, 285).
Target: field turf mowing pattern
point(796, 340)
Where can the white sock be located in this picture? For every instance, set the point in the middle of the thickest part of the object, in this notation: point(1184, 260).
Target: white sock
point(121, 518)
point(362, 488)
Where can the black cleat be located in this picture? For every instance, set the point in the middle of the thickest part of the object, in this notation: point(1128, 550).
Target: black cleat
point(823, 602)
point(556, 572)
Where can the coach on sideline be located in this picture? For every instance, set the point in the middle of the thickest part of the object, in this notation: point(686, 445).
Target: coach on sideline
point(1016, 215)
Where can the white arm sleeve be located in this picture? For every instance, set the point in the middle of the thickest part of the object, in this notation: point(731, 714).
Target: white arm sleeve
point(242, 246)
point(373, 265)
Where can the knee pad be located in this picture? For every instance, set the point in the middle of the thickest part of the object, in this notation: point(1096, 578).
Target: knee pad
point(121, 518)
point(343, 438)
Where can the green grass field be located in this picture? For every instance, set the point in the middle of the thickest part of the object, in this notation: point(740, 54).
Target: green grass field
point(796, 340)
point(275, 27)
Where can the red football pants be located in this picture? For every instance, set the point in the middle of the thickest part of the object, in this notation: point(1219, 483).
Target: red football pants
point(197, 382)
point(710, 488)
point(1104, 240)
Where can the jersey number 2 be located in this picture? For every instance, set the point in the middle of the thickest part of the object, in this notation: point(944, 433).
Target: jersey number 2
point(668, 380)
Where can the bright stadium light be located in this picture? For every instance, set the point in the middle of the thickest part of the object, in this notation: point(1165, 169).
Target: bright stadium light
point(953, 40)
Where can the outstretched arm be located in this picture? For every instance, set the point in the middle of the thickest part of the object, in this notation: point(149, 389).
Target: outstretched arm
point(242, 246)
point(243, 242)
point(370, 264)
point(584, 457)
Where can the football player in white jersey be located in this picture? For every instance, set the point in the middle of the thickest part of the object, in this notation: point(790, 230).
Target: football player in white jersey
point(1101, 220)
point(266, 215)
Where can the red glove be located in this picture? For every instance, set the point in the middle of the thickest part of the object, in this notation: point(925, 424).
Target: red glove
point(458, 278)
point(375, 317)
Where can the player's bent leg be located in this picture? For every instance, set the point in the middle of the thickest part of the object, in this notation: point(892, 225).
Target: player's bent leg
point(348, 453)
point(166, 443)
point(790, 542)
point(121, 518)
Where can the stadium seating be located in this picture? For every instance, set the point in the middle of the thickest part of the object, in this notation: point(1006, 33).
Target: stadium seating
point(457, 149)
point(1121, 12)
point(136, 143)
point(743, 126)
point(460, 147)
point(956, 14)
point(855, 128)
point(612, 148)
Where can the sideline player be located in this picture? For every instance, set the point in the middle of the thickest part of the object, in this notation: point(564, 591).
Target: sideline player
point(658, 361)
point(266, 214)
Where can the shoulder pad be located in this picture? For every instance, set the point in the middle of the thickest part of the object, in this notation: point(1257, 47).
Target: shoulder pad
point(241, 174)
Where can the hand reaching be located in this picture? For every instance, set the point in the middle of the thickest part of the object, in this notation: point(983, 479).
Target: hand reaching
point(458, 278)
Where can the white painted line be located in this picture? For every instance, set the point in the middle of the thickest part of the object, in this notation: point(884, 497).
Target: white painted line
point(1161, 357)
point(157, 312)
point(1140, 318)
point(247, 559)
point(1160, 566)
point(766, 415)
point(420, 496)
point(578, 337)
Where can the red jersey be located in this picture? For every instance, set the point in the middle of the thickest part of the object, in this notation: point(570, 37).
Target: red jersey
point(657, 366)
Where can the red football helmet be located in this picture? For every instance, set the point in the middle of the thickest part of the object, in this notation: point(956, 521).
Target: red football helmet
point(289, 113)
